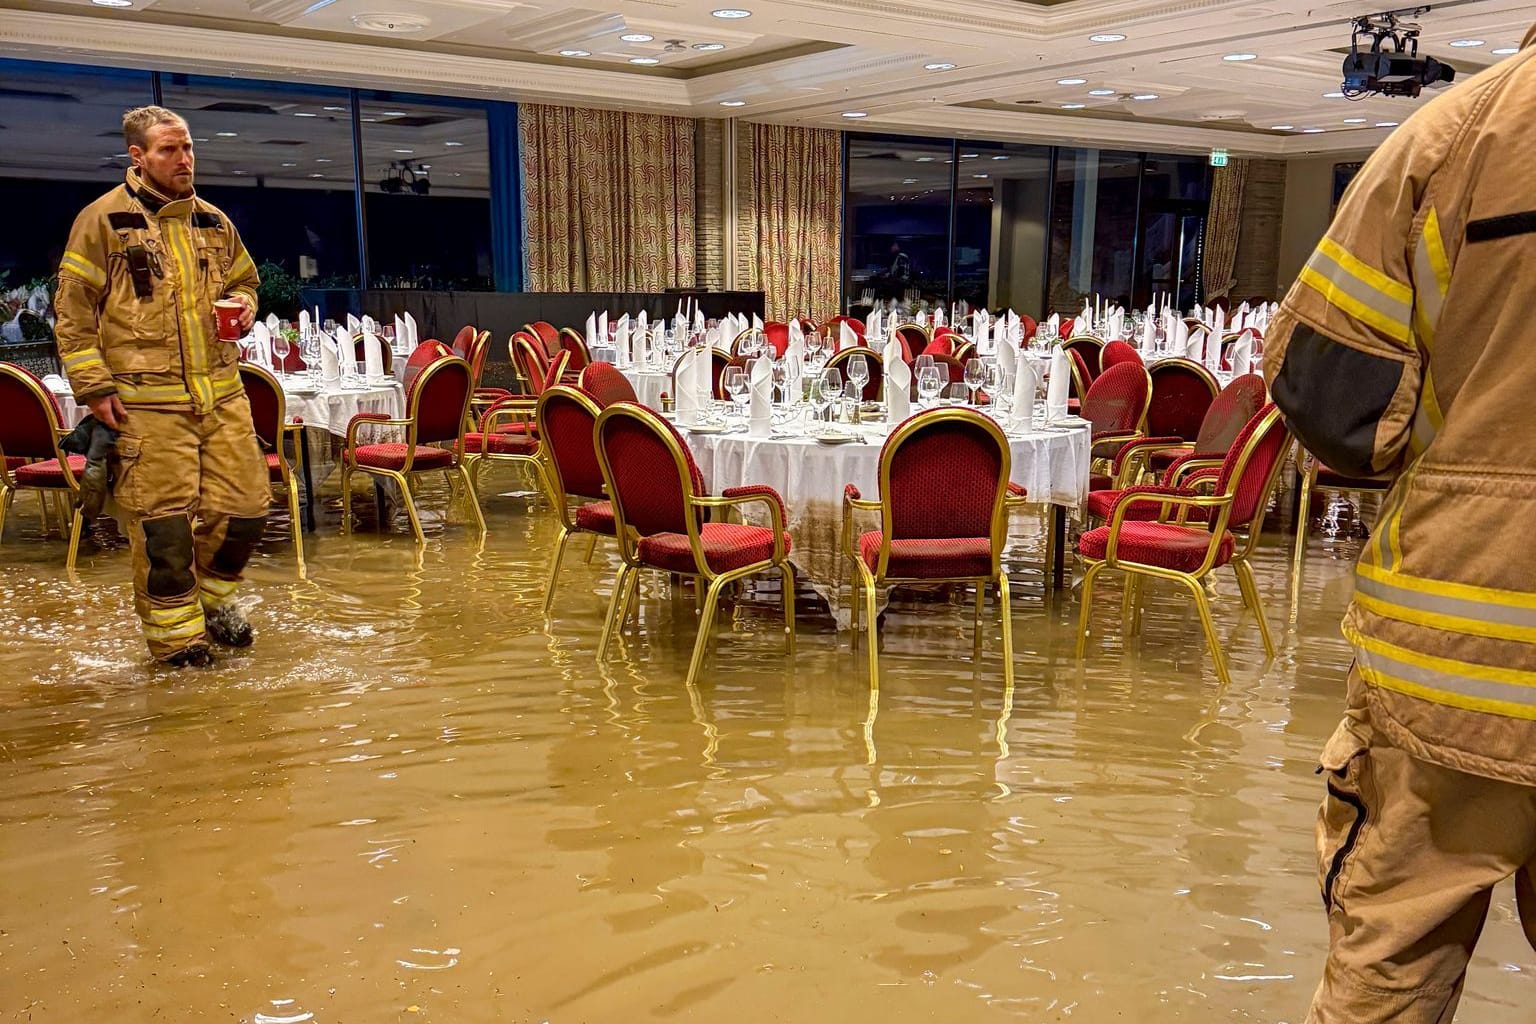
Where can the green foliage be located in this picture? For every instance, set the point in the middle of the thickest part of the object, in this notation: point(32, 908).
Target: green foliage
point(279, 292)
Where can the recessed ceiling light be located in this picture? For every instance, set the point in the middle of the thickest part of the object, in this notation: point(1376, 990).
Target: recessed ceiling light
point(1354, 120)
point(304, 113)
point(1000, 157)
point(854, 114)
point(909, 181)
point(731, 12)
point(925, 159)
point(709, 47)
point(1282, 127)
point(644, 60)
point(1505, 51)
point(113, 3)
point(1333, 95)
point(1386, 124)
point(290, 165)
point(1071, 81)
point(733, 103)
point(939, 66)
point(368, 120)
point(636, 37)
point(1145, 96)
point(394, 113)
point(1313, 131)
point(1462, 44)
point(236, 172)
point(1073, 106)
point(423, 167)
point(405, 151)
point(453, 143)
point(1237, 58)
point(199, 140)
point(575, 53)
point(338, 110)
point(227, 135)
point(324, 160)
point(1107, 37)
point(317, 175)
point(978, 175)
point(969, 156)
point(1101, 92)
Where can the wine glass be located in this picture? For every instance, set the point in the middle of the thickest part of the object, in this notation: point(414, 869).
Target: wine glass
point(813, 347)
point(280, 350)
point(739, 387)
point(924, 362)
point(832, 386)
point(975, 376)
point(858, 376)
point(780, 374)
point(929, 385)
point(818, 398)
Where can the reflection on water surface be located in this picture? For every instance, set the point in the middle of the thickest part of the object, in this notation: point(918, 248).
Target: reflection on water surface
point(417, 800)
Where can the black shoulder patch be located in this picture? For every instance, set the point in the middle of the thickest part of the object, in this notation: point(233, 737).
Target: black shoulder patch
point(1494, 228)
point(123, 220)
point(207, 220)
point(1333, 397)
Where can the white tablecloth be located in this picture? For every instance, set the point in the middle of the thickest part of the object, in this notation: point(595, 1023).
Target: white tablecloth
point(1051, 464)
point(648, 384)
point(332, 408)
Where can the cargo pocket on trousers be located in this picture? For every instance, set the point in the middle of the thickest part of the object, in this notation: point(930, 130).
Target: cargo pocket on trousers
point(124, 473)
point(1344, 814)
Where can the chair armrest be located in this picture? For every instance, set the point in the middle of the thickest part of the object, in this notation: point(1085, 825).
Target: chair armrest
point(852, 499)
point(1106, 444)
point(1190, 463)
point(364, 419)
point(1165, 496)
point(1144, 446)
point(759, 495)
point(515, 407)
point(1016, 496)
point(761, 491)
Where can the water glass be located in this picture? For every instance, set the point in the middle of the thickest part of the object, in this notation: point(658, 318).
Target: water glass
point(280, 350)
point(929, 385)
point(975, 376)
point(858, 376)
point(832, 386)
point(739, 387)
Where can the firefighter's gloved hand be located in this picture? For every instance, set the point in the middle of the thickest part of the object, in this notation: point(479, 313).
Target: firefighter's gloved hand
point(96, 441)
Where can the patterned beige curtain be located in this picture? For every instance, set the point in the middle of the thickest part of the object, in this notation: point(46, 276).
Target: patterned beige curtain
point(609, 200)
point(1222, 227)
point(790, 219)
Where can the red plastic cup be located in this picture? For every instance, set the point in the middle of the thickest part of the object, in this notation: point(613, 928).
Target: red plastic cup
point(228, 312)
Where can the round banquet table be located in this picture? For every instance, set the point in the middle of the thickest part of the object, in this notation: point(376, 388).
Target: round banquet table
point(648, 384)
point(1051, 463)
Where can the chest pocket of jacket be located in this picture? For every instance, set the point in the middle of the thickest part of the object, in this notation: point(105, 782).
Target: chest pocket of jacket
point(211, 258)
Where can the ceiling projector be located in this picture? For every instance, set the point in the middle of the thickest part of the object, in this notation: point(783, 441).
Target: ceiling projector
point(1384, 58)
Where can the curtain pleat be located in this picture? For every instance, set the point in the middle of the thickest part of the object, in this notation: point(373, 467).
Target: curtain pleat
point(792, 219)
point(1223, 224)
point(609, 200)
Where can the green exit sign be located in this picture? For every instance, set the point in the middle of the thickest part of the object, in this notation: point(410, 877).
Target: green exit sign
point(1218, 158)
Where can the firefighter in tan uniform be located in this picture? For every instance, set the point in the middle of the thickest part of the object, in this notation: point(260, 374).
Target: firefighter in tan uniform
point(1405, 349)
point(137, 337)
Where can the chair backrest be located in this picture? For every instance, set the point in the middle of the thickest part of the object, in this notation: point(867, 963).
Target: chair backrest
point(1092, 351)
point(463, 340)
point(565, 417)
point(778, 337)
point(479, 353)
point(438, 401)
point(546, 334)
point(1030, 325)
point(1065, 330)
point(1238, 403)
point(1253, 465)
point(1118, 400)
point(532, 365)
point(739, 361)
point(576, 345)
point(29, 428)
point(874, 388)
point(1080, 376)
point(427, 353)
point(648, 469)
point(941, 345)
point(605, 384)
point(359, 352)
point(944, 475)
point(1182, 392)
point(268, 404)
point(1117, 352)
point(913, 340)
point(750, 333)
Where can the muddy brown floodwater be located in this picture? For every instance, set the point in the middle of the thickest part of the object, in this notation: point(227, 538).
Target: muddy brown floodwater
point(417, 800)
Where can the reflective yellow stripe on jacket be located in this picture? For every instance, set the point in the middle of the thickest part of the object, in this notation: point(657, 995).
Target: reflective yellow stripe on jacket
point(1459, 684)
point(1361, 291)
point(1431, 283)
point(84, 268)
point(194, 336)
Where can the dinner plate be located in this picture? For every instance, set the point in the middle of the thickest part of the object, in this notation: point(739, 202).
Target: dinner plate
point(831, 439)
point(708, 428)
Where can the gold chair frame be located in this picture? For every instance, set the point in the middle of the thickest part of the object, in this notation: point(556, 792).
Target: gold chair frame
point(626, 587)
point(554, 483)
point(866, 580)
point(1309, 473)
point(1134, 469)
point(71, 489)
point(1101, 463)
point(294, 432)
point(1221, 506)
point(455, 470)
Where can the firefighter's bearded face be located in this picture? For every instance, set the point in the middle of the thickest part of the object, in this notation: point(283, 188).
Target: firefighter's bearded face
point(166, 159)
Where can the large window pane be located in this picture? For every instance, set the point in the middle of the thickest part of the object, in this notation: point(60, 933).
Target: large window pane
point(426, 185)
point(1000, 225)
point(61, 147)
point(898, 219)
point(1093, 227)
point(278, 160)
point(1175, 197)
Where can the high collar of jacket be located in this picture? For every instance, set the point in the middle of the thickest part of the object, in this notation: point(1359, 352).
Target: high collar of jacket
point(1530, 38)
point(155, 201)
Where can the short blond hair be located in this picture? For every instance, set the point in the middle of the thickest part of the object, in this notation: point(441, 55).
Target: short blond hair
point(138, 121)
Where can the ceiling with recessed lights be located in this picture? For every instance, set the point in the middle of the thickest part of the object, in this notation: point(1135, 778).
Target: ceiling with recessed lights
point(1259, 78)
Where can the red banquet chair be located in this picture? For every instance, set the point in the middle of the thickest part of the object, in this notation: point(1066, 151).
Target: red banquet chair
point(462, 341)
point(479, 355)
point(874, 388)
point(359, 352)
point(1116, 405)
point(914, 340)
point(1172, 458)
point(1091, 350)
point(943, 504)
point(941, 345)
point(606, 385)
point(567, 418)
point(269, 415)
point(427, 353)
point(436, 409)
point(1169, 548)
point(778, 336)
point(1182, 392)
point(537, 373)
point(504, 433)
point(576, 345)
point(1065, 330)
point(546, 334)
point(33, 461)
point(1080, 381)
point(1117, 352)
point(659, 500)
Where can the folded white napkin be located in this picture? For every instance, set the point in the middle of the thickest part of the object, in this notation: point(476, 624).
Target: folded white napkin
point(898, 383)
point(346, 352)
point(761, 409)
point(922, 319)
point(846, 337)
point(757, 322)
point(639, 340)
point(698, 320)
point(1194, 346)
point(938, 317)
point(1242, 354)
point(591, 331)
point(1007, 359)
point(415, 335)
point(1060, 387)
point(303, 323)
point(1054, 323)
point(688, 405)
point(1025, 381)
point(983, 335)
point(874, 326)
point(261, 345)
point(1148, 333)
point(273, 323)
point(621, 340)
point(330, 363)
point(1219, 325)
point(354, 325)
point(373, 357)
